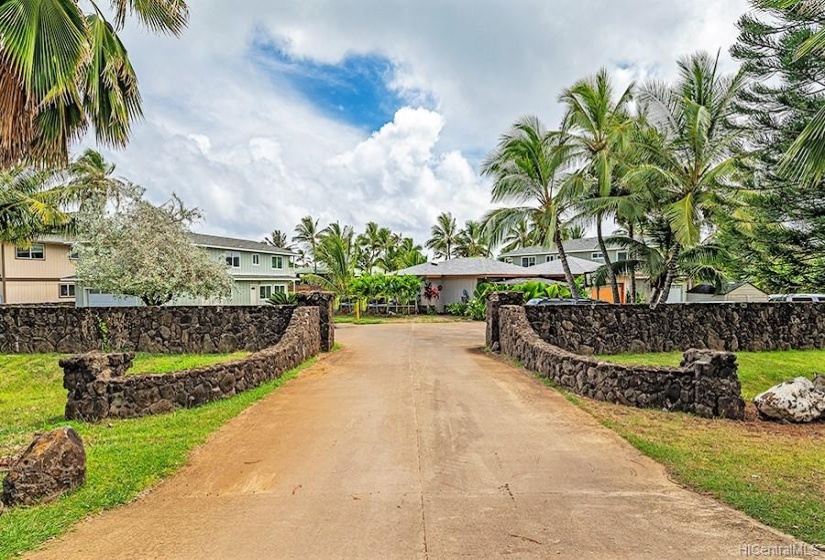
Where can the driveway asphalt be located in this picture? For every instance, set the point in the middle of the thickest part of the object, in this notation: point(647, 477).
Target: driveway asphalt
point(410, 442)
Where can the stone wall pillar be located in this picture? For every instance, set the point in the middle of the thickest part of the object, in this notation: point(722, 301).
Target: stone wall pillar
point(717, 389)
point(87, 377)
point(324, 302)
point(494, 302)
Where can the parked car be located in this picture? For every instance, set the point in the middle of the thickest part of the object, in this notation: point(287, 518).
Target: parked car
point(797, 298)
point(564, 301)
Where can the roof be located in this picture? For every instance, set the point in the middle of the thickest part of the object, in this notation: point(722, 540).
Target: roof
point(218, 242)
point(474, 266)
point(517, 281)
point(707, 289)
point(580, 245)
point(554, 268)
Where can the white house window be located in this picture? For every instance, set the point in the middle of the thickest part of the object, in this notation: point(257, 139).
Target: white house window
point(508, 260)
point(621, 256)
point(598, 257)
point(233, 259)
point(66, 290)
point(279, 288)
point(74, 254)
point(267, 291)
point(35, 251)
point(277, 262)
point(256, 259)
point(551, 258)
point(528, 261)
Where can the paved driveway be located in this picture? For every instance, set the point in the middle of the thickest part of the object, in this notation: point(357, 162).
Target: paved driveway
point(411, 443)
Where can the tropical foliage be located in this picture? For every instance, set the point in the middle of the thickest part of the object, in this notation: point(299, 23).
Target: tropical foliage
point(64, 69)
point(145, 251)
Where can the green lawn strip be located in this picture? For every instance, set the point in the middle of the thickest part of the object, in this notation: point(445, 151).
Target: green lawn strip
point(758, 371)
point(164, 363)
point(124, 457)
point(774, 474)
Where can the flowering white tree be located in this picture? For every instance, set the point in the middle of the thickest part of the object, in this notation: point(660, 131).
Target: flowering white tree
point(145, 251)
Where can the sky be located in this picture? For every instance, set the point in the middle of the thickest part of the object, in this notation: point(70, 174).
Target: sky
point(265, 111)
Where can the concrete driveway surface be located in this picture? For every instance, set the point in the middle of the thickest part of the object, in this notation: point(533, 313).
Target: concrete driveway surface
point(412, 443)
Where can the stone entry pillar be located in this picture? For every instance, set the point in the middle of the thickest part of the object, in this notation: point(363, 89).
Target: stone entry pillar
point(324, 302)
point(494, 301)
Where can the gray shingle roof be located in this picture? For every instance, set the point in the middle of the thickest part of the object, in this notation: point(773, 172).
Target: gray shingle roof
point(218, 242)
point(476, 266)
point(577, 267)
point(571, 246)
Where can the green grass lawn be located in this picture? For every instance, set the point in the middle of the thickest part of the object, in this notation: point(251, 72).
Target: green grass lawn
point(758, 371)
point(124, 457)
point(772, 472)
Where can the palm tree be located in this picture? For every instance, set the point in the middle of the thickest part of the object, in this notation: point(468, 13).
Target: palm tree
point(598, 130)
point(278, 240)
point(688, 162)
point(520, 236)
point(63, 70)
point(336, 253)
point(374, 241)
point(307, 234)
point(528, 169)
point(444, 235)
point(403, 254)
point(650, 255)
point(34, 202)
point(572, 231)
point(473, 241)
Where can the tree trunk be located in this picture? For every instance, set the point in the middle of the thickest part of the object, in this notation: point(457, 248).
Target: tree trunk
point(633, 289)
point(670, 276)
point(568, 275)
point(611, 274)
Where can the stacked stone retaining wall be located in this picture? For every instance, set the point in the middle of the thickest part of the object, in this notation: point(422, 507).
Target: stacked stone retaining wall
point(706, 384)
point(99, 386)
point(733, 327)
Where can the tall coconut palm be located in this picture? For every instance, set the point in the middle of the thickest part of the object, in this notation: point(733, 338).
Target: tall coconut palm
point(528, 169)
point(38, 201)
point(473, 241)
point(278, 239)
point(374, 241)
point(63, 70)
point(688, 161)
point(335, 252)
point(598, 128)
point(519, 236)
point(444, 236)
point(308, 236)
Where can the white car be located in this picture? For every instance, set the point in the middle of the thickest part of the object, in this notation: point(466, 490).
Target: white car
point(797, 298)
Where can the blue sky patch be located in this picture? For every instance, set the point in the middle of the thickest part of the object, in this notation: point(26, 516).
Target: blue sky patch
point(355, 90)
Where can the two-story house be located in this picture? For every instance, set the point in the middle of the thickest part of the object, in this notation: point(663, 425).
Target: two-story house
point(258, 269)
point(39, 272)
point(587, 248)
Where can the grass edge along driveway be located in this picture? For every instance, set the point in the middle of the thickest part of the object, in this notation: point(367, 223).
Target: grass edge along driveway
point(772, 472)
point(124, 458)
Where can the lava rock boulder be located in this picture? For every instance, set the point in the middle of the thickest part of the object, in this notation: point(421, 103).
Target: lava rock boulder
point(53, 464)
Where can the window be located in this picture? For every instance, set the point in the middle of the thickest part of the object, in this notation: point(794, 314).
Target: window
point(256, 259)
point(621, 256)
point(802, 299)
point(267, 291)
point(233, 259)
point(551, 258)
point(528, 261)
point(66, 290)
point(598, 257)
point(74, 254)
point(277, 262)
point(34, 251)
